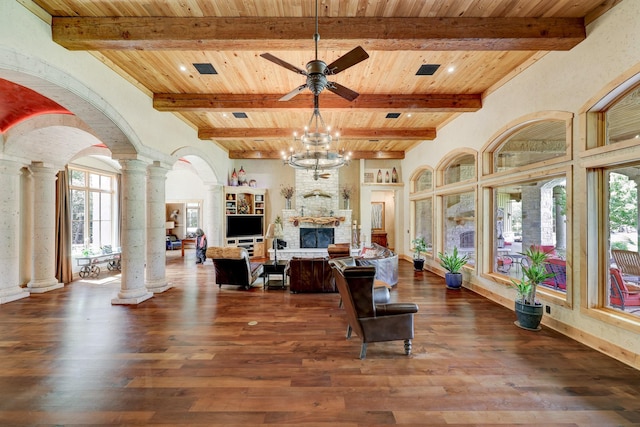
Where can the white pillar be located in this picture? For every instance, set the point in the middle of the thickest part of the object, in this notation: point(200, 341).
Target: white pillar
point(156, 281)
point(132, 289)
point(43, 255)
point(212, 215)
point(9, 223)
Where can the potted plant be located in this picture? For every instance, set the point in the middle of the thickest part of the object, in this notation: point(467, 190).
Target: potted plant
point(453, 263)
point(528, 310)
point(419, 246)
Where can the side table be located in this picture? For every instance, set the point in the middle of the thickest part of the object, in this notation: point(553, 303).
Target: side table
point(271, 268)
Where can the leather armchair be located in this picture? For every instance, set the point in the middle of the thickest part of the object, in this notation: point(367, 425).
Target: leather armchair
point(371, 322)
point(232, 266)
point(310, 275)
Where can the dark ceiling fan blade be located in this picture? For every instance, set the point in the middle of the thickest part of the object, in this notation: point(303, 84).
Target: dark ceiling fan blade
point(342, 91)
point(282, 63)
point(293, 92)
point(347, 60)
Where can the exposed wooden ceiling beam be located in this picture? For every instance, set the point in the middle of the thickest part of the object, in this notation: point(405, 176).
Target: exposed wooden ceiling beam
point(295, 33)
point(442, 103)
point(355, 155)
point(222, 134)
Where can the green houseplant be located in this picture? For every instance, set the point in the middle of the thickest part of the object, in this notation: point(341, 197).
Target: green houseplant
point(529, 311)
point(419, 246)
point(453, 263)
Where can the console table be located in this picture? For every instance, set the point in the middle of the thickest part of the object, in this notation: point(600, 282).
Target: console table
point(89, 265)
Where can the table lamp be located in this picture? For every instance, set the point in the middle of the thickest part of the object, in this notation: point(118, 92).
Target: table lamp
point(274, 231)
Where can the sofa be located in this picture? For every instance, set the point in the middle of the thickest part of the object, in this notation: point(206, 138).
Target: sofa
point(173, 242)
point(384, 260)
point(310, 275)
point(232, 266)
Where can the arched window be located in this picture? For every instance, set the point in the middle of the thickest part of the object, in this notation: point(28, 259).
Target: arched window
point(530, 210)
point(533, 143)
point(462, 168)
point(622, 119)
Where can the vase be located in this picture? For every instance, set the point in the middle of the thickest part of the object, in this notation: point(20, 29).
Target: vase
point(529, 316)
point(453, 280)
point(287, 203)
point(346, 203)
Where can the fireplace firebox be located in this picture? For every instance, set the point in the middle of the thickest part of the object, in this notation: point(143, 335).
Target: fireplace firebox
point(316, 237)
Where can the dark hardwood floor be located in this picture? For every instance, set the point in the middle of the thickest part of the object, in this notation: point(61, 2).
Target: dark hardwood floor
point(198, 355)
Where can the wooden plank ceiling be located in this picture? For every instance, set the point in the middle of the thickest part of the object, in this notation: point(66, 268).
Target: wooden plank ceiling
point(477, 45)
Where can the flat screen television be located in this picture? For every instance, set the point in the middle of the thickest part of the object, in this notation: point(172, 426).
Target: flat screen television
point(245, 225)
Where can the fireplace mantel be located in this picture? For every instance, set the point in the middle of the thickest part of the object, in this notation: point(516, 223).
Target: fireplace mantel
point(319, 220)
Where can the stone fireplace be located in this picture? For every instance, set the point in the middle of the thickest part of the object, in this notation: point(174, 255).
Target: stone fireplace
point(316, 237)
point(316, 205)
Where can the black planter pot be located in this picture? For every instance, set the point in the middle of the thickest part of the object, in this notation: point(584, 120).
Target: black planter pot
point(529, 316)
point(418, 264)
point(453, 280)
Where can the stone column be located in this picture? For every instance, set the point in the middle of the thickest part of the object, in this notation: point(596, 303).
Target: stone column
point(212, 215)
point(9, 225)
point(155, 280)
point(132, 289)
point(560, 218)
point(43, 199)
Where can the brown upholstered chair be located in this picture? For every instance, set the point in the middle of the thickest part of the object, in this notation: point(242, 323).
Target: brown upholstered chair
point(371, 322)
point(233, 267)
point(339, 250)
point(310, 275)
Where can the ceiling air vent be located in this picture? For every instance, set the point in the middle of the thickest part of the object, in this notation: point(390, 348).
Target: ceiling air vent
point(427, 69)
point(392, 115)
point(240, 115)
point(205, 68)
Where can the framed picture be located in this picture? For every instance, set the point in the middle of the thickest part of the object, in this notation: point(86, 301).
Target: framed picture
point(368, 176)
point(377, 215)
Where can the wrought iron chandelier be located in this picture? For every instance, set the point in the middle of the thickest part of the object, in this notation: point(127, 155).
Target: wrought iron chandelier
point(315, 153)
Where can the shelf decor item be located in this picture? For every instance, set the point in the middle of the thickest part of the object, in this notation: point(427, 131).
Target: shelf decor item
point(346, 192)
point(234, 178)
point(287, 192)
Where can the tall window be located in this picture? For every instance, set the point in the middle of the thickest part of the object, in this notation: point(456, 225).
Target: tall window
point(613, 192)
point(623, 290)
point(532, 213)
point(459, 215)
point(422, 204)
point(193, 216)
point(92, 209)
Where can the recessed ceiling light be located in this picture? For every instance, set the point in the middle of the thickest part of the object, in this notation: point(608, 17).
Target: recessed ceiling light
point(224, 114)
point(427, 69)
point(183, 68)
point(409, 115)
point(451, 69)
point(205, 68)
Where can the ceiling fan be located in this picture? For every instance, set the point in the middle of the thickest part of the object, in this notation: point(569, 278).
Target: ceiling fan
point(317, 70)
